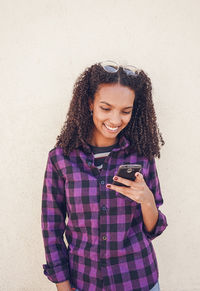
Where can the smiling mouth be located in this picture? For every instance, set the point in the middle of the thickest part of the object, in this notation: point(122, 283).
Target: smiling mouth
point(112, 129)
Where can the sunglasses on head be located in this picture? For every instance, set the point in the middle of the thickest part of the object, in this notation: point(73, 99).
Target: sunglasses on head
point(112, 67)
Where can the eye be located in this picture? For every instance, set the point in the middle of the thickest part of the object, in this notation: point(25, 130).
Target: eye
point(106, 109)
point(126, 112)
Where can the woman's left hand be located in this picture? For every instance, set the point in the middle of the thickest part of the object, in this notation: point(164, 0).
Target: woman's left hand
point(138, 190)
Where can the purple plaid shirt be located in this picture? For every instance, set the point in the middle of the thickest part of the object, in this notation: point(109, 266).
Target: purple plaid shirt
point(108, 245)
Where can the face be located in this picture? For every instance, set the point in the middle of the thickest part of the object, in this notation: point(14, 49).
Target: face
point(112, 108)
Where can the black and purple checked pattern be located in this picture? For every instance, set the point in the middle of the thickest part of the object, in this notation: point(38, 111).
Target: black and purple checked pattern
point(108, 245)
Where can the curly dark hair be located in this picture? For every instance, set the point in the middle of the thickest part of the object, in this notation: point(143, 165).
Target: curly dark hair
point(142, 130)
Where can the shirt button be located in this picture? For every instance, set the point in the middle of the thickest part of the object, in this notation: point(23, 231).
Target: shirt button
point(104, 208)
point(102, 182)
point(104, 237)
point(89, 164)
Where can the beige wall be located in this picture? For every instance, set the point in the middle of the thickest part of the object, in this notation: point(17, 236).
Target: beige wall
point(44, 47)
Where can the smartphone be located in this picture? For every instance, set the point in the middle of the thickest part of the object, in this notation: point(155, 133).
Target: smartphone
point(127, 171)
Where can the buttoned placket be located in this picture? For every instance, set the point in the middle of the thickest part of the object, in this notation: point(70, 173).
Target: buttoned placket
point(101, 184)
point(104, 211)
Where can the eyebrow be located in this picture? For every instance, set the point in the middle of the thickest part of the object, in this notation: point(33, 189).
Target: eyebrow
point(111, 105)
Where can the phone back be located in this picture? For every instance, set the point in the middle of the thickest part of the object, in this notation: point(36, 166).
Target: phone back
point(127, 171)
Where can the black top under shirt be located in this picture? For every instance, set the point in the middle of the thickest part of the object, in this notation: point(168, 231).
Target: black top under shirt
point(100, 153)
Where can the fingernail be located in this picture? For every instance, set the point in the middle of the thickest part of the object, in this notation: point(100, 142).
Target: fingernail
point(108, 185)
point(115, 178)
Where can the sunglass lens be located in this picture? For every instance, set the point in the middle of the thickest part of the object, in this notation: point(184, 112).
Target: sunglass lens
point(110, 69)
point(131, 70)
point(110, 66)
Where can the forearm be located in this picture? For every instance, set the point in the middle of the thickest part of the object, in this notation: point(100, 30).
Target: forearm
point(63, 286)
point(150, 214)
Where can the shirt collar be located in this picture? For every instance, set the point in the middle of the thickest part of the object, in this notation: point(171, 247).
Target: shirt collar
point(122, 144)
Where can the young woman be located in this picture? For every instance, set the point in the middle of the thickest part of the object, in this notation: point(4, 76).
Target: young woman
point(111, 121)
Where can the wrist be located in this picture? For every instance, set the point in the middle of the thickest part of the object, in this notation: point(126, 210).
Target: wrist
point(150, 201)
point(63, 286)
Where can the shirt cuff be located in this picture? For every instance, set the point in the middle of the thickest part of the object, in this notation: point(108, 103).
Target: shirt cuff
point(160, 226)
point(56, 274)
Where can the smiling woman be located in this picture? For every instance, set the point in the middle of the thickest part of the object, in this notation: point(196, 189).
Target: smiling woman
point(111, 121)
point(112, 108)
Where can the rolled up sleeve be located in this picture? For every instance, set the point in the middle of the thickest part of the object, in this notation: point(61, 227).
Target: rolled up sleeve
point(53, 224)
point(153, 183)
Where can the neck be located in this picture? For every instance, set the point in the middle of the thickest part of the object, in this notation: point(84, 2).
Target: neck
point(102, 143)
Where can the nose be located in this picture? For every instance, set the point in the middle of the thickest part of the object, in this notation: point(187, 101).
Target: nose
point(115, 119)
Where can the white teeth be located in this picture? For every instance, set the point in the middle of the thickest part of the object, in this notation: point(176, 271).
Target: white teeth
point(111, 128)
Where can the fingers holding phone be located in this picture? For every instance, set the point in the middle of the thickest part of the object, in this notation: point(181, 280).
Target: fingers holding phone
point(127, 172)
point(124, 183)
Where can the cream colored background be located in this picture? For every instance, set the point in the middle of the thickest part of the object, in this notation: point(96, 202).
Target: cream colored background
point(45, 45)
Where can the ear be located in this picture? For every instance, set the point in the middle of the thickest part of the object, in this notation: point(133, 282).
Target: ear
point(90, 101)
